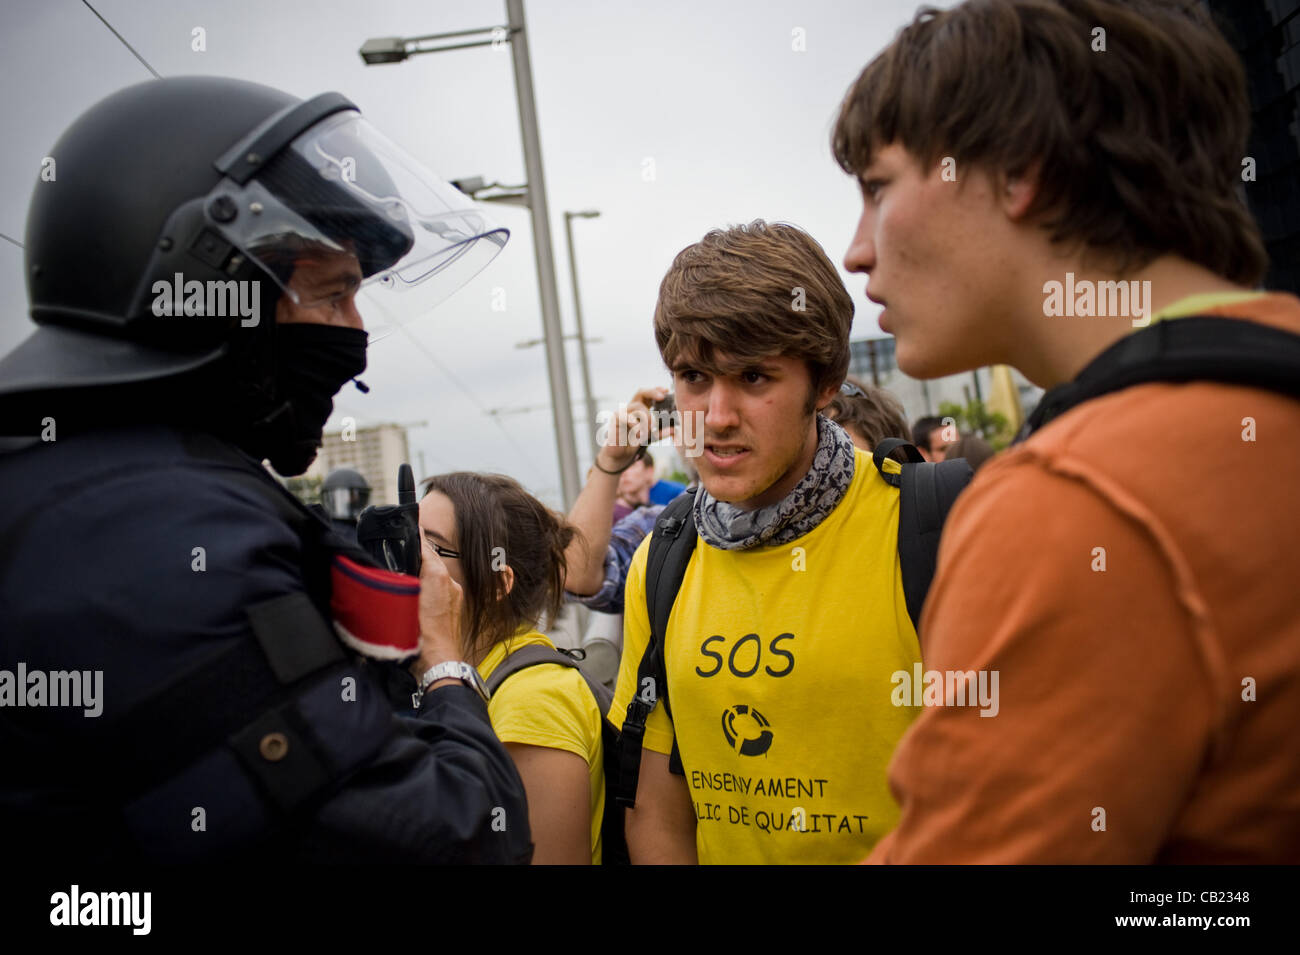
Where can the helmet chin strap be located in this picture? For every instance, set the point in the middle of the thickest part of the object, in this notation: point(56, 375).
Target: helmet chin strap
point(277, 438)
point(277, 425)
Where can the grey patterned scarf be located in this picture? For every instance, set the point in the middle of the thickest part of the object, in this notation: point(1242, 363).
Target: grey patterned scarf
point(727, 527)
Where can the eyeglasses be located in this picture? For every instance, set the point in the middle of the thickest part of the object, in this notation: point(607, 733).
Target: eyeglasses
point(850, 390)
point(440, 550)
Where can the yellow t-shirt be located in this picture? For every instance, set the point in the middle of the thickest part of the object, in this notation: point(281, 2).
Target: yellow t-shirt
point(550, 705)
point(779, 664)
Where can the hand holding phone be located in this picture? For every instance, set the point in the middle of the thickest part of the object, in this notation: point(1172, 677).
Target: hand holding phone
point(391, 533)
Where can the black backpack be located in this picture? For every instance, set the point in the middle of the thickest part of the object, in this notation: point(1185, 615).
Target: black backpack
point(1197, 348)
point(927, 491)
point(613, 841)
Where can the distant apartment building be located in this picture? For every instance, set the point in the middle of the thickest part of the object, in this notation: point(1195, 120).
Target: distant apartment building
point(872, 360)
point(376, 452)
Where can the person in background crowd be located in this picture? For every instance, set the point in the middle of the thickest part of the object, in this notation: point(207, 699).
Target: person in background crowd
point(927, 435)
point(634, 487)
point(869, 414)
point(973, 448)
point(601, 551)
point(665, 489)
point(506, 550)
point(597, 560)
point(344, 494)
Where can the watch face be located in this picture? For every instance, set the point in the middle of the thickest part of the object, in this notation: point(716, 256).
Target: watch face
point(458, 670)
point(451, 670)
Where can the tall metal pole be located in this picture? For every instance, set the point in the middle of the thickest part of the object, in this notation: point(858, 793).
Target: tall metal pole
point(561, 409)
point(582, 337)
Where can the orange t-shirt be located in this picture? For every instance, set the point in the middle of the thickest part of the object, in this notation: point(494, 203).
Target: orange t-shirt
point(1131, 574)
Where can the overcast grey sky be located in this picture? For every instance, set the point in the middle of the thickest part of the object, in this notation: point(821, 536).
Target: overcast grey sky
point(735, 120)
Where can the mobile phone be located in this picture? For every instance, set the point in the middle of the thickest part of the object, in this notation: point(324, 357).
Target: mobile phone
point(662, 414)
point(391, 533)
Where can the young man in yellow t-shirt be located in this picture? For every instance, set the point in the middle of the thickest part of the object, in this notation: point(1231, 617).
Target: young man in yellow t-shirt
point(791, 618)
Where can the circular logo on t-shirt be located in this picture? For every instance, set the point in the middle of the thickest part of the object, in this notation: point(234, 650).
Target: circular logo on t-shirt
point(746, 730)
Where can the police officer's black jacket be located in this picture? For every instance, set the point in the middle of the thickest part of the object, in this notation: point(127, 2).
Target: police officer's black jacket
point(143, 554)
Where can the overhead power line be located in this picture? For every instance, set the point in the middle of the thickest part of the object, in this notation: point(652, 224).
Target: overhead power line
point(123, 39)
point(463, 390)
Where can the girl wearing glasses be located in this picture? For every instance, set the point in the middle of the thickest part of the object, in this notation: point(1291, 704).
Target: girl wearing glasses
point(505, 550)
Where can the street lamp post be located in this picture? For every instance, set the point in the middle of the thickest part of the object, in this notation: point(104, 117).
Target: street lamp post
point(577, 314)
point(562, 409)
point(397, 49)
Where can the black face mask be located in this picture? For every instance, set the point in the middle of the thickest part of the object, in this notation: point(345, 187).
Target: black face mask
point(312, 363)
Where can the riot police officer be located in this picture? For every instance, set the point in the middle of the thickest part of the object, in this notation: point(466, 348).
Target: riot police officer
point(173, 683)
point(344, 494)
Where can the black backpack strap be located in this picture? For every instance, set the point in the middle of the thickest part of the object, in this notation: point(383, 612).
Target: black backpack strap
point(536, 654)
point(294, 645)
point(926, 493)
point(671, 544)
point(315, 533)
point(614, 843)
point(525, 657)
point(887, 447)
point(1195, 348)
point(289, 645)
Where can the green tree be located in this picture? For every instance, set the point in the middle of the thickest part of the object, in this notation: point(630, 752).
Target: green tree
point(975, 418)
point(305, 489)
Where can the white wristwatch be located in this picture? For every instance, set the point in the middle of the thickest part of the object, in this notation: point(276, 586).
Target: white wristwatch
point(451, 670)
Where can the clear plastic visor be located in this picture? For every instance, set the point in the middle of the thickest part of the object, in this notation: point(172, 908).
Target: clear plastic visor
point(344, 209)
point(345, 503)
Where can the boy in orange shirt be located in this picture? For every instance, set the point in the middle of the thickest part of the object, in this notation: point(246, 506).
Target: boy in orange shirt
point(1054, 185)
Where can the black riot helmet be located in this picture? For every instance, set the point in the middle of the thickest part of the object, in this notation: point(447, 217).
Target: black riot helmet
point(181, 213)
point(344, 494)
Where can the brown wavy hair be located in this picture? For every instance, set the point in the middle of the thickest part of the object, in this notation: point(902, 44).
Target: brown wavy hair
point(1138, 149)
point(876, 413)
point(755, 291)
point(494, 511)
